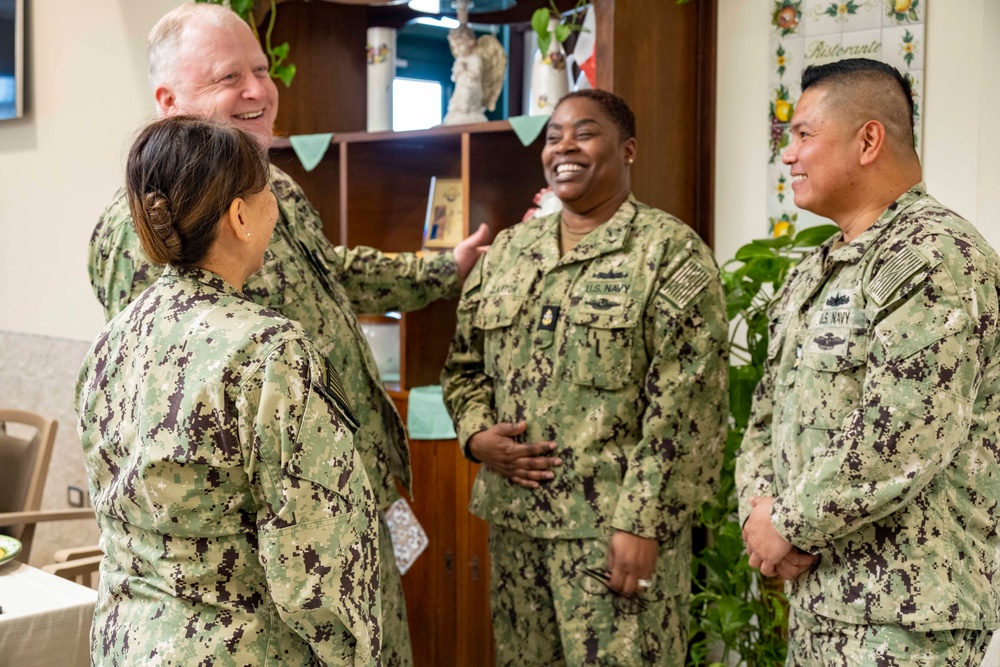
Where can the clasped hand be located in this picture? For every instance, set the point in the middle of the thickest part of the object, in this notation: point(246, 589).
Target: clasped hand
point(521, 463)
point(768, 550)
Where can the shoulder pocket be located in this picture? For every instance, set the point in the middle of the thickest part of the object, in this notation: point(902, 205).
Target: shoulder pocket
point(324, 454)
point(905, 332)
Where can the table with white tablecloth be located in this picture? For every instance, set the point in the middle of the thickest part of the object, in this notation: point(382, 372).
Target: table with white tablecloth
point(45, 620)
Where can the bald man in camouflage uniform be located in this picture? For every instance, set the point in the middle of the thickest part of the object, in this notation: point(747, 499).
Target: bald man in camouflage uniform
point(873, 440)
point(305, 277)
point(237, 521)
point(616, 352)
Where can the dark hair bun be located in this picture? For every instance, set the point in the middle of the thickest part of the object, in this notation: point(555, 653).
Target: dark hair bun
point(164, 241)
point(182, 175)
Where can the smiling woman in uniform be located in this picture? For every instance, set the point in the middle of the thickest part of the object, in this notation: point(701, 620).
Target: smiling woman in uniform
point(588, 373)
point(237, 522)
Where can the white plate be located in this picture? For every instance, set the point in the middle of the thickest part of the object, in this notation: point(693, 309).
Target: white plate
point(9, 548)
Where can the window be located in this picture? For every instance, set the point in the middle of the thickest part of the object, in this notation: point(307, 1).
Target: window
point(416, 104)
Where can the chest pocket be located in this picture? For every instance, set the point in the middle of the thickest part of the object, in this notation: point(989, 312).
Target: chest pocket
point(496, 317)
point(599, 346)
point(830, 376)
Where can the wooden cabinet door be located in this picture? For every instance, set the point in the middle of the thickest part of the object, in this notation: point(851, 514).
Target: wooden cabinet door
point(448, 587)
point(475, 623)
point(429, 585)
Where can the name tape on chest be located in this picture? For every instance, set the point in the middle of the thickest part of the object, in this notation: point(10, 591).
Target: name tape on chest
point(895, 272)
point(685, 284)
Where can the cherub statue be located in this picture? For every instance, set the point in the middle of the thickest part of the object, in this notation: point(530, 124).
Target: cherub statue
point(477, 73)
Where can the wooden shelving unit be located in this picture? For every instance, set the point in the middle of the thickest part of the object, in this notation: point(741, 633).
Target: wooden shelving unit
point(372, 189)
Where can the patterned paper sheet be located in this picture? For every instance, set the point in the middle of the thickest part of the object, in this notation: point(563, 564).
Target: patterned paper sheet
point(408, 537)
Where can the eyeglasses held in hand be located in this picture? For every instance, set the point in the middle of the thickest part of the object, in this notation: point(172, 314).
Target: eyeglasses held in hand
point(597, 582)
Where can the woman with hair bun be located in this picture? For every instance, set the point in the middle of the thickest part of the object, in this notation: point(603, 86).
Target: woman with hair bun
point(237, 522)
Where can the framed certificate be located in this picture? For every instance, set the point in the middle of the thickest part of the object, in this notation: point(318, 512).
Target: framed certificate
point(443, 227)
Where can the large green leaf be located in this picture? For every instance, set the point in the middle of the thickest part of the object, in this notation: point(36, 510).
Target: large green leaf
point(733, 616)
point(768, 269)
point(776, 242)
point(540, 24)
point(751, 250)
point(814, 236)
point(737, 301)
point(280, 52)
point(742, 381)
point(242, 7)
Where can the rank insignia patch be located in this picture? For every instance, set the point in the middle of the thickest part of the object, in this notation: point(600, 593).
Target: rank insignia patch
point(547, 322)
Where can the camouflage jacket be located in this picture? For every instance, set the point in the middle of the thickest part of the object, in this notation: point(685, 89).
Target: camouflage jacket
point(875, 425)
point(616, 351)
point(237, 522)
point(308, 280)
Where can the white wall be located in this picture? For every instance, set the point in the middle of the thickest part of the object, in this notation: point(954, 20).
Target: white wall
point(62, 162)
point(961, 152)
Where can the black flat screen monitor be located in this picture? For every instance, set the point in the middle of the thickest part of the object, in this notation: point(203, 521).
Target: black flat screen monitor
point(11, 59)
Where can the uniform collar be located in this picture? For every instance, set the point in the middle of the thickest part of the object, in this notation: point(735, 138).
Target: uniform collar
point(608, 237)
point(281, 185)
point(856, 249)
point(202, 276)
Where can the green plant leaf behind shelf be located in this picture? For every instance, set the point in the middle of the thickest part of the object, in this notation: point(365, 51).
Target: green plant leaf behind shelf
point(276, 56)
point(540, 24)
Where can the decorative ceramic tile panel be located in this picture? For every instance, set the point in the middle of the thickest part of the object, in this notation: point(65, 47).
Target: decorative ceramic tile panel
point(814, 32)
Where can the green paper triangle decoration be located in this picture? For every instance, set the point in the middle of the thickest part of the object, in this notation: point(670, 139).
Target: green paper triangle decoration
point(310, 148)
point(527, 128)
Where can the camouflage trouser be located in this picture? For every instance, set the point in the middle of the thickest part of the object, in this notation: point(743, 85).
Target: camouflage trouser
point(396, 650)
point(546, 611)
point(823, 642)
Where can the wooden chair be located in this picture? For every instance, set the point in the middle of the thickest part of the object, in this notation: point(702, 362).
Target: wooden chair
point(24, 465)
point(78, 564)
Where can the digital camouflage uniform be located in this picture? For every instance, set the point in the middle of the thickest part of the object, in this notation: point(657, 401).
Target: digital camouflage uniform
point(617, 352)
point(824, 641)
point(237, 522)
point(308, 280)
point(875, 425)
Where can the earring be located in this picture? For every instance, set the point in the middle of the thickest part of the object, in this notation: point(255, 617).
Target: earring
point(630, 161)
point(248, 234)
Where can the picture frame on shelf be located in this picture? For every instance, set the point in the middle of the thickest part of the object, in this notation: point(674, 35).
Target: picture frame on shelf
point(445, 210)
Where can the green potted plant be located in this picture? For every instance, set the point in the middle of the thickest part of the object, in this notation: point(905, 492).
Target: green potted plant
point(277, 55)
point(734, 609)
point(559, 29)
